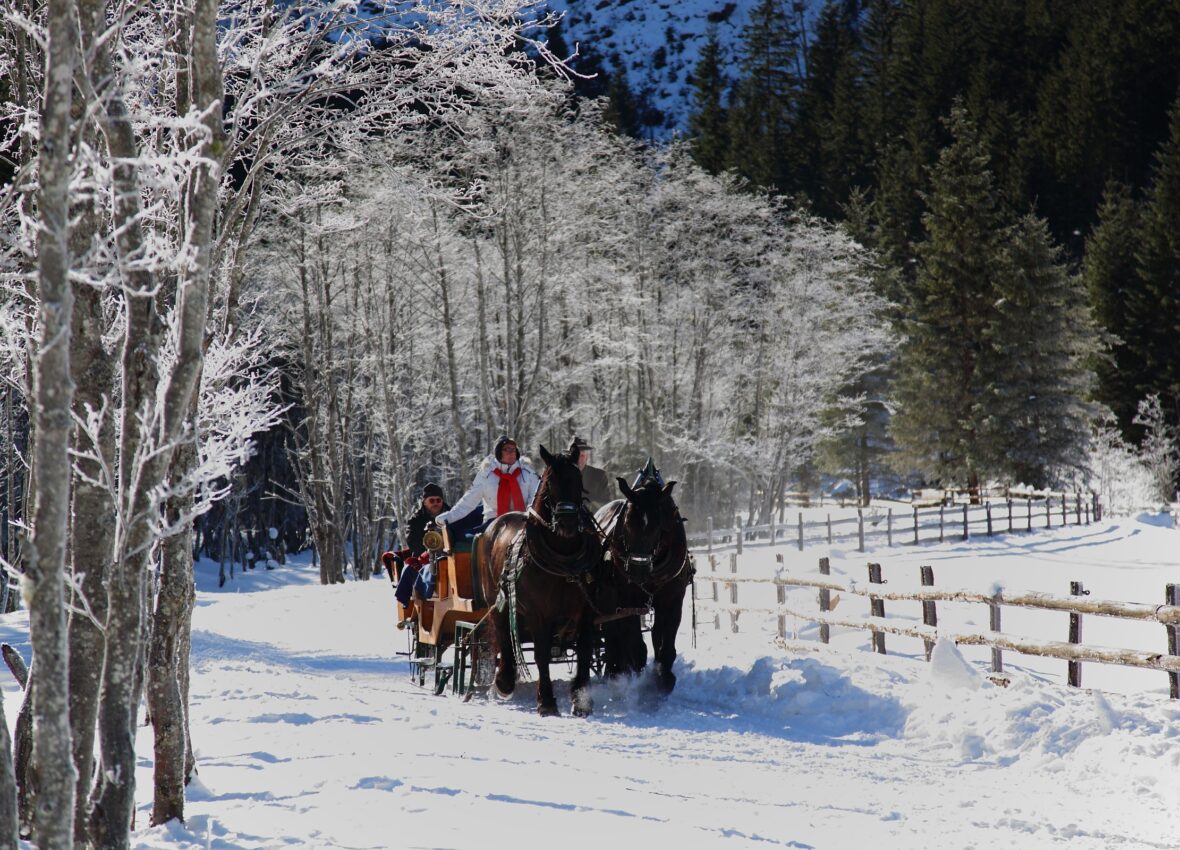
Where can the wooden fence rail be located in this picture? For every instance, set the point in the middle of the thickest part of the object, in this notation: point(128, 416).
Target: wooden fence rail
point(1077, 604)
point(914, 525)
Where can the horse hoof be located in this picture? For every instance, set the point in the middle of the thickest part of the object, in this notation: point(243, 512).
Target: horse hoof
point(546, 710)
point(502, 691)
point(666, 682)
point(583, 703)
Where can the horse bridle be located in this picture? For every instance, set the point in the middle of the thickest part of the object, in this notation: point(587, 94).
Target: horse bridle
point(629, 558)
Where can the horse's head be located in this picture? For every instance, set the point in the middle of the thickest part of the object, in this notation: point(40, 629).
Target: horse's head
point(559, 497)
point(649, 519)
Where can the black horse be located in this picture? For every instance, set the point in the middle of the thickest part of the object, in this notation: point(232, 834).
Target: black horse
point(536, 568)
point(651, 571)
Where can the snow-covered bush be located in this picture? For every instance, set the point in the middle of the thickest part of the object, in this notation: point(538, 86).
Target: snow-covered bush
point(1158, 452)
point(1117, 472)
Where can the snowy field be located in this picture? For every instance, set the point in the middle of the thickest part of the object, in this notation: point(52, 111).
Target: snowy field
point(309, 733)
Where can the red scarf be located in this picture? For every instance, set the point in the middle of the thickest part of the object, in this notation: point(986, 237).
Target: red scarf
point(508, 495)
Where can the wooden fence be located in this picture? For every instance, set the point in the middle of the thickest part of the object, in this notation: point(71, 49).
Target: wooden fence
point(1077, 604)
point(911, 526)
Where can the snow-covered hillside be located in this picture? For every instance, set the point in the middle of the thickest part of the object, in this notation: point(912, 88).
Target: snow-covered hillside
point(657, 43)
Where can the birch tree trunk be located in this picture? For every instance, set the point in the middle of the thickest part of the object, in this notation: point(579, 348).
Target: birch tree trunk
point(171, 621)
point(53, 392)
point(92, 536)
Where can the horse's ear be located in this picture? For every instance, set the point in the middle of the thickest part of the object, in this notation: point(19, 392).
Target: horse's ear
point(545, 456)
point(625, 490)
point(668, 488)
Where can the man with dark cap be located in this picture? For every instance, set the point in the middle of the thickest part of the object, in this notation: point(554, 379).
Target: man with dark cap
point(415, 572)
point(432, 505)
point(594, 480)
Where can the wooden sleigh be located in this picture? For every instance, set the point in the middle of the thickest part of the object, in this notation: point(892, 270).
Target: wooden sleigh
point(455, 609)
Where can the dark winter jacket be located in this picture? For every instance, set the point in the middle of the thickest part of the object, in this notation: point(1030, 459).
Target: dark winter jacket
point(416, 527)
point(597, 487)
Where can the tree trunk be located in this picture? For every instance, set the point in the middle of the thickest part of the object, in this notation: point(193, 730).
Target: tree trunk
point(92, 543)
point(53, 391)
point(165, 699)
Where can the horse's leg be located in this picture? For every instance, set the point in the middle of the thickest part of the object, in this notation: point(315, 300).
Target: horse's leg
point(669, 607)
point(542, 644)
point(636, 647)
point(505, 658)
point(583, 704)
point(615, 644)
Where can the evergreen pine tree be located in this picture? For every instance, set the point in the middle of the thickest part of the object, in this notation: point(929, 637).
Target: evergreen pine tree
point(1157, 309)
point(1040, 342)
point(1110, 274)
point(707, 123)
point(765, 100)
point(622, 109)
point(940, 386)
point(828, 127)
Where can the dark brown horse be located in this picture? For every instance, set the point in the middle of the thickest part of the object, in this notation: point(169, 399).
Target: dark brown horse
point(536, 569)
point(651, 570)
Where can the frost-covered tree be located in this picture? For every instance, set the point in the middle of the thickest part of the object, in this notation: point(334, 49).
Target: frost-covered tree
point(1160, 450)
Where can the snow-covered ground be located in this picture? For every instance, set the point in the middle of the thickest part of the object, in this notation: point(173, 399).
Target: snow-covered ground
point(309, 733)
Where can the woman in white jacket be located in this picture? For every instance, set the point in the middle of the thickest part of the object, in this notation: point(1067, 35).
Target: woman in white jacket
point(502, 484)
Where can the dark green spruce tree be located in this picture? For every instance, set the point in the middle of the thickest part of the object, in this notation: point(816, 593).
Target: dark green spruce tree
point(1110, 274)
point(766, 99)
point(1157, 311)
point(1037, 374)
point(939, 390)
point(707, 125)
point(830, 113)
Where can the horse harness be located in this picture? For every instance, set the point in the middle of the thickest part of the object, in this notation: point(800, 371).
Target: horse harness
point(617, 550)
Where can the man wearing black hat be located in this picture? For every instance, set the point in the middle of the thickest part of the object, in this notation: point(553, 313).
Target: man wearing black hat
point(432, 505)
point(594, 480)
point(413, 575)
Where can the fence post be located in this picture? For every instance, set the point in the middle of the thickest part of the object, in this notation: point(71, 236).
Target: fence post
point(780, 591)
point(829, 529)
point(860, 530)
point(1087, 513)
point(1097, 509)
point(1049, 511)
point(1075, 634)
point(989, 519)
point(994, 611)
point(733, 562)
point(800, 531)
point(733, 598)
point(737, 533)
point(709, 536)
point(941, 508)
point(1172, 595)
point(1078, 507)
point(889, 527)
point(1064, 510)
point(915, 525)
point(1028, 506)
point(929, 612)
point(966, 533)
point(825, 600)
point(1009, 515)
point(877, 607)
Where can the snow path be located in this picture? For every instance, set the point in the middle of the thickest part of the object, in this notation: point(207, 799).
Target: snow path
point(310, 734)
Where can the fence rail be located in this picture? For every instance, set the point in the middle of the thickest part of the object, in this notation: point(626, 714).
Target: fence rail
point(912, 526)
point(1072, 651)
